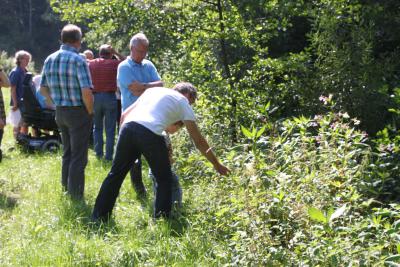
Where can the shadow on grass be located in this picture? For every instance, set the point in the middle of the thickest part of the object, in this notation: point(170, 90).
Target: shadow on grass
point(178, 222)
point(8, 201)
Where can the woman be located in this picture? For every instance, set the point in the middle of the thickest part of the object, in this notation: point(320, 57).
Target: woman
point(17, 75)
point(4, 82)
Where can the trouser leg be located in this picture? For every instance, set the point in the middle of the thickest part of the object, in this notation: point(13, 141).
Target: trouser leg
point(156, 153)
point(126, 153)
point(110, 118)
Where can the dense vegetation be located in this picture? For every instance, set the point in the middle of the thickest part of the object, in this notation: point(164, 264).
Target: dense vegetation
point(299, 98)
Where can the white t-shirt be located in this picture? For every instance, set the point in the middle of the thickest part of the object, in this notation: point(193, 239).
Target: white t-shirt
point(159, 107)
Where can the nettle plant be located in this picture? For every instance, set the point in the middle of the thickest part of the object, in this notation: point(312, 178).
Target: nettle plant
point(306, 176)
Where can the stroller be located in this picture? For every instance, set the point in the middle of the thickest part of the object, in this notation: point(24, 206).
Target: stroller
point(41, 120)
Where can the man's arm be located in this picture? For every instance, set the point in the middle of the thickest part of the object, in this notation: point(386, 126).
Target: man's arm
point(87, 98)
point(202, 145)
point(137, 88)
point(117, 54)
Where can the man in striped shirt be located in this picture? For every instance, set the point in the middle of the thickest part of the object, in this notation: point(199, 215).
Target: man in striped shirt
point(66, 82)
point(104, 75)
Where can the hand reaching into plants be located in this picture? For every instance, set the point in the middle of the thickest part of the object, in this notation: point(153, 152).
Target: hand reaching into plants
point(221, 169)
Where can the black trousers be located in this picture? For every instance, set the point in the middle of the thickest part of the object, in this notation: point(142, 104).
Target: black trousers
point(135, 140)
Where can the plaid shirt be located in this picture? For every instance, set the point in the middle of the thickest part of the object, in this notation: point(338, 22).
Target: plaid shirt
point(66, 73)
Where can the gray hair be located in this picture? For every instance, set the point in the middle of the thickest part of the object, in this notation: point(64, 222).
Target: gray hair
point(20, 55)
point(138, 38)
point(70, 34)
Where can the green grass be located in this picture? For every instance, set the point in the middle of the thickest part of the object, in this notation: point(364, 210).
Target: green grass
point(42, 227)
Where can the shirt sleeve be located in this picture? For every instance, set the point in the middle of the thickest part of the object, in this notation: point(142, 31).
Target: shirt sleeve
point(124, 77)
point(43, 80)
point(187, 111)
point(14, 77)
point(84, 78)
point(153, 73)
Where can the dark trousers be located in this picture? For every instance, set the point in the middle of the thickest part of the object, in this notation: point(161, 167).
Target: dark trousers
point(75, 124)
point(134, 140)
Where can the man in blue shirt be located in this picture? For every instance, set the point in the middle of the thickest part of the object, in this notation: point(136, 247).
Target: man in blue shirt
point(136, 74)
point(67, 83)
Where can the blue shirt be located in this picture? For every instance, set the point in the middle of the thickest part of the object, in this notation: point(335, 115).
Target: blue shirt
point(66, 73)
point(17, 76)
point(130, 71)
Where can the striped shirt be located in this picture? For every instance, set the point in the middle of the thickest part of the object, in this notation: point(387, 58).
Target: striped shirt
point(104, 74)
point(66, 73)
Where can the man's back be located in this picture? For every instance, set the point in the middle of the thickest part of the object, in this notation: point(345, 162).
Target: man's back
point(104, 74)
point(159, 107)
point(65, 72)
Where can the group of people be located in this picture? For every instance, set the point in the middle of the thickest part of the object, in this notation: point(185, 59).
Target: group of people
point(85, 91)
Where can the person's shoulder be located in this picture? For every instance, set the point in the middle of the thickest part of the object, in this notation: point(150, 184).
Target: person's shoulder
point(147, 63)
point(123, 64)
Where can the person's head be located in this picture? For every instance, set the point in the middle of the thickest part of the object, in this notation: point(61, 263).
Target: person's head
point(188, 90)
point(88, 54)
point(71, 35)
point(22, 58)
point(173, 128)
point(105, 51)
point(139, 46)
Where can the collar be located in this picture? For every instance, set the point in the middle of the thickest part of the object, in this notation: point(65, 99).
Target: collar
point(133, 63)
point(69, 48)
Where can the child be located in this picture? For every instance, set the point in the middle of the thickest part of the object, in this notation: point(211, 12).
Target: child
point(176, 187)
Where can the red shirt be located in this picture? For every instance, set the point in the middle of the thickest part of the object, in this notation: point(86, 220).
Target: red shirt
point(104, 74)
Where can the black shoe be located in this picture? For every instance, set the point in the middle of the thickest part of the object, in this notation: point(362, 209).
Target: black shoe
point(1, 155)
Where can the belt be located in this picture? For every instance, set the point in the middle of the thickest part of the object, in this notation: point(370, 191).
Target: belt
point(69, 107)
point(109, 92)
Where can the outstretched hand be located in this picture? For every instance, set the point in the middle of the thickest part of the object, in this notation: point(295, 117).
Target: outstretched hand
point(221, 169)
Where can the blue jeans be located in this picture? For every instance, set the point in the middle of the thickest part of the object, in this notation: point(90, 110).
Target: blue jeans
point(75, 125)
point(176, 188)
point(105, 110)
point(135, 140)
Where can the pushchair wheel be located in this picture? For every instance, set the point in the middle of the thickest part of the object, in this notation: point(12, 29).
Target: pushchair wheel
point(51, 145)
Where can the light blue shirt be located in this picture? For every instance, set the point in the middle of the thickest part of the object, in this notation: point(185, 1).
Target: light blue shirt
point(130, 71)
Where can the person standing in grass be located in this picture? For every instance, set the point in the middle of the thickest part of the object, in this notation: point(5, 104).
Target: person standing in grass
point(141, 133)
point(17, 76)
point(4, 82)
point(104, 76)
point(136, 73)
point(66, 82)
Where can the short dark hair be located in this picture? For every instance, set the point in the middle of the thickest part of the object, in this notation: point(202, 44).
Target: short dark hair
point(105, 50)
point(71, 34)
point(186, 88)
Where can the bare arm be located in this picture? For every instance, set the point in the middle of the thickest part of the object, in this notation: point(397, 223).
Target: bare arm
point(202, 145)
point(137, 88)
point(4, 82)
point(14, 97)
point(87, 98)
